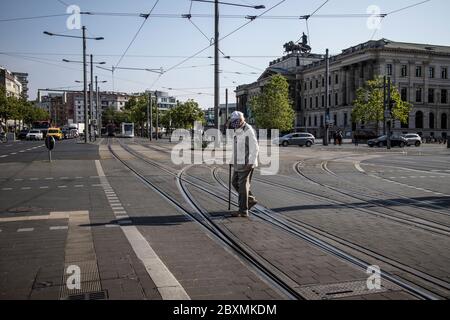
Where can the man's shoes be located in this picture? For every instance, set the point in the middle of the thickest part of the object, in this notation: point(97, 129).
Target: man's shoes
point(238, 214)
point(252, 203)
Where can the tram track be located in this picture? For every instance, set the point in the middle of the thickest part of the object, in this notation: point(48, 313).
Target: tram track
point(404, 218)
point(292, 228)
point(278, 280)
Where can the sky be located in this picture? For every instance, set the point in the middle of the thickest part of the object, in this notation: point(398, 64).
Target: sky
point(165, 42)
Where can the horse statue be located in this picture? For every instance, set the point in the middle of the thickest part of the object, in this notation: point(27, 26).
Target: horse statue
point(300, 47)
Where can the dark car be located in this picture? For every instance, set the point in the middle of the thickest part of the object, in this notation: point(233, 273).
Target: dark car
point(396, 141)
point(23, 134)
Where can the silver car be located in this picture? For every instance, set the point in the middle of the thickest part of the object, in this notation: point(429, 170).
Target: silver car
point(296, 139)
point(413, 139)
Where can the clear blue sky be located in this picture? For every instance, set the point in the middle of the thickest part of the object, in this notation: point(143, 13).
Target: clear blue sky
point(427, 23)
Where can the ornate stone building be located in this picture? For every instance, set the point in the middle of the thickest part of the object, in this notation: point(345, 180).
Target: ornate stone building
point(420, 72)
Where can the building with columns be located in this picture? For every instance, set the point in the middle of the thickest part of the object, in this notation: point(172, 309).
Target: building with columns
point(419, 71)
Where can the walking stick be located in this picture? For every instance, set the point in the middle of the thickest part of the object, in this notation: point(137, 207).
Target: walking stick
point(229, 188)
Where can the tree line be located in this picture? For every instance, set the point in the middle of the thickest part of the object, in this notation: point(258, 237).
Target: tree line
point(182, 115)
point(18, 109)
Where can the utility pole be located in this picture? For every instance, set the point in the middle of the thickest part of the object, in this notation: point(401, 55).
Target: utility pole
point(327, 103)
point(91, 102)
point(157, 115)
point(149, 133)
point(226, 107)
point(216, 65)
point(384, 105)
point(86, 122)
point(97, 108)
point(389, 117)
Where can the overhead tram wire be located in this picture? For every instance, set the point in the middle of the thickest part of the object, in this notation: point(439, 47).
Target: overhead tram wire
point(137, 33)
point(183, 16)
point(394, 12)
point(227, 35)
point(307, 17)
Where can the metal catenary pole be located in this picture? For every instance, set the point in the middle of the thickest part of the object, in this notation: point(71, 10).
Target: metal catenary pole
point(384, 105)
point(389, 121)
point(157, 115)
point(148, 115)
point(86, 123)
point(216, 65)
point(151, 116)
point(327, 106)
point(91, 102)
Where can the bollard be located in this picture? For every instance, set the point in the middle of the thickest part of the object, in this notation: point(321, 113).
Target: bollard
point(50, 144)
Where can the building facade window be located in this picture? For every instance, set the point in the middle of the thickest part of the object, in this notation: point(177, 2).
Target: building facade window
point(317, 102)
point(335, 119)
point(404, 94)
point(317, 83)
point(430, 95)
point(345, 119)
point(310, 103)
point(309, 121)
point(444, 121)
point(323, 101)
point(444, 73)
point(389, 69)
point(432, 71)
point(431, 120)
point(444, 97)
point(419, 72)
point(321, 120)
point(315, 121)
point(404, 72)
point(336, 99)
point(419, 95)
point(336, 79)
point(419, 120)
point(323, 82)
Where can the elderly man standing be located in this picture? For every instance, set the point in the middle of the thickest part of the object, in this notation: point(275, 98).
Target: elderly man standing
point(245, 160)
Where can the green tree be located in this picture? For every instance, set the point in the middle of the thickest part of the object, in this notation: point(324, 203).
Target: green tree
point(184, 114)
point(272, 109)
point(369, 106)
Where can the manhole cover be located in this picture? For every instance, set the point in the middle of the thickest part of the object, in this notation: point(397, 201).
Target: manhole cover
point(343, 290)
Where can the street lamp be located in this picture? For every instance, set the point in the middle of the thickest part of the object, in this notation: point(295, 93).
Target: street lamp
point(216, 51)
point(84, 69)
point(91, 94)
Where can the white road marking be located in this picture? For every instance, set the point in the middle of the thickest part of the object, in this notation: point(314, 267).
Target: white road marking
point(25, 230)
point(25, 188)
point(43, 187)
point(6, 189)
point(166, 283)
point(79, 186)
point(4, 156)
point(59, 228)
point(111, 225)
point(49, 178)
point(13, 153)
point(62, 187)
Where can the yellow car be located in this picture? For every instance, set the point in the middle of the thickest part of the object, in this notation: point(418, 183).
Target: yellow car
point(55, 133)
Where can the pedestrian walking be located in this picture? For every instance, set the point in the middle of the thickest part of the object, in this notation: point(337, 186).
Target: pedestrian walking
point(245, 160)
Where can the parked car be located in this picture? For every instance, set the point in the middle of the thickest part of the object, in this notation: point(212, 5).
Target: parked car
point(55, 133)
point(396, 141)
point(296, 139)
point(413, 139)
point(35, 134)
point(23, 134)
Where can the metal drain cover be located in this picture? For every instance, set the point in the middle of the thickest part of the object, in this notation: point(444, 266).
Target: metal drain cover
point(342, 290)
point(100, 295)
